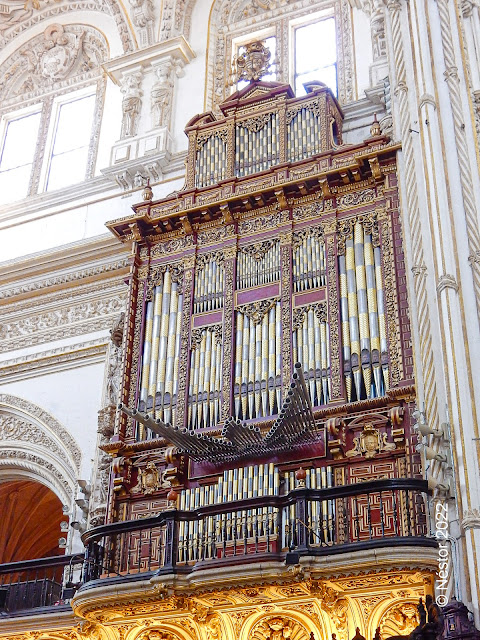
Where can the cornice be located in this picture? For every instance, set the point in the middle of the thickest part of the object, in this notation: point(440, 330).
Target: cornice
point(176, 48)
point(81, 262)
point(53, 360)
point(63, 618)
point(163, 594)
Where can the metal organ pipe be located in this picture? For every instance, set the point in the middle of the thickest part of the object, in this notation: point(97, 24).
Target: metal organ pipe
point(257, 364)
point(363, 316)
point(309, 261)
point(205, 378)
point(161, 348)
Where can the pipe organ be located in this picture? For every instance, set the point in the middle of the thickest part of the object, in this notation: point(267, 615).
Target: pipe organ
point(268, 321)
point(265, 422)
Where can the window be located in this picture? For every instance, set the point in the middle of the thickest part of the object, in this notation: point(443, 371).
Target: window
point(17, 156)
point(50, 111)
point(315, 51)
point(309, 40)
point(71, 142)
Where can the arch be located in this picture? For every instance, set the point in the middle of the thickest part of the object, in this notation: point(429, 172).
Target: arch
point(23, 19)
point(56, 58)
point(33, 444)
point(299, 624)
point(162, 631)
point(395, 617)
point(32, 521)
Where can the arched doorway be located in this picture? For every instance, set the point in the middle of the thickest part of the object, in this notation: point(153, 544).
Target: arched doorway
point(30, 514)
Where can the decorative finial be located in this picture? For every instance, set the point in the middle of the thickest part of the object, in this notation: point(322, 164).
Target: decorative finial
point(253, 63)
point(300, 475)
point(375, 127)
point(147, 193)
point(172, 496)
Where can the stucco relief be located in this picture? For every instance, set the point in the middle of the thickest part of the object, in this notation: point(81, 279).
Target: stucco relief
point(69, 321)
point(47, 60)
point(19, 16)
point(20, 406)
point(35, 445)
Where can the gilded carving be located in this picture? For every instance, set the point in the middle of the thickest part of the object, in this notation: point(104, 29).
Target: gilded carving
point(157, 271)
point(256, 310)
point(184, 346)
point(311, 232)
point(263, 223)
point(333, 295)
point(390, 288)
point(230, 255)
point(204, 258)
point(258, 251)
point(286, 266)
point(252, 63)
point(279, 628)
point(369, 443)
point(356, 198)
point(401, 619)
point(133, 336)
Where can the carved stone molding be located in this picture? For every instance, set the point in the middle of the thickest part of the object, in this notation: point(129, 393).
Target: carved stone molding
point(76, 319)
point(56, 58)
point(246, 16)
point(143, 17)
point(419, 270)
point(446, 281)
point(132, 102)
point(28, 366)
point(21, 407)
point(471, 519)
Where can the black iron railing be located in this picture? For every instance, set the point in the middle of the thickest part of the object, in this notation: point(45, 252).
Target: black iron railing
point(304, 522)
point(43, 582)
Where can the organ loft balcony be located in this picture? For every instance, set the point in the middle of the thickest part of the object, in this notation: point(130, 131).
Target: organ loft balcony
point(264, 451)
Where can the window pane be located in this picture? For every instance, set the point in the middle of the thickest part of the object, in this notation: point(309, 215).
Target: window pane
point(14, 183)
point(68, 162)
point(315, 46)
point(67, 168)
point(74, 125)
point(20, 142)
point(327, 75)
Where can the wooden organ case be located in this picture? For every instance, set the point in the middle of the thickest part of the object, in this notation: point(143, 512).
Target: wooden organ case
point(268, 337)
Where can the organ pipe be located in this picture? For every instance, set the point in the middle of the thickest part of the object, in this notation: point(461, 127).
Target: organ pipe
point(304, 138)
point(258, 264)
point(363, 316)
point(321, 513)
point(201, 539)
point(311, 347)
point(257, 389)
point(209, 283)
point(159, 372)
point(309, 261)
point(205, 377)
